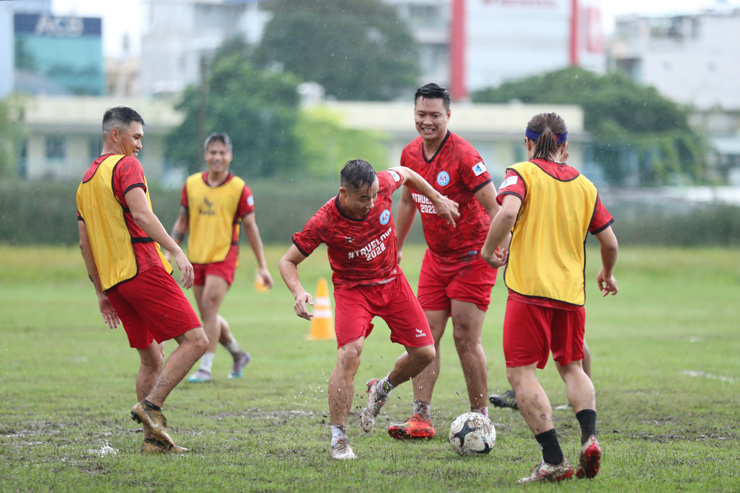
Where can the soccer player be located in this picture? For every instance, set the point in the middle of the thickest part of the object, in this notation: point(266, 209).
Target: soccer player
point(454, 282)
point(214, 203)
point(357, 228)
point(132, 280)
point(549, 208)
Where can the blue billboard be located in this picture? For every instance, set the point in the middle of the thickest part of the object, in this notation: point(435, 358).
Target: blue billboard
point(58, 55)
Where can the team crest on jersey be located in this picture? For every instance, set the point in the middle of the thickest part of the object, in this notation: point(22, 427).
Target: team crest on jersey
point(443, 178)
point(509, 181)
point(396, 176)
point(479, 169)
point(385, 216)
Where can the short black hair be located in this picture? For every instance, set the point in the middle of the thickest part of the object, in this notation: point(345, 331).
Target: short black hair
point(357, 173)
point(433, 91)
point(121, 118)
point(217, 137)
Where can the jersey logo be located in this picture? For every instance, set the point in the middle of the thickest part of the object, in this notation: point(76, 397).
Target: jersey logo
point(509, 181)
point(420, 333)
point(396, 176)
point(385, 216)
point(250, 201)
point(443, 178)
point(208, 211)
point(479, 169)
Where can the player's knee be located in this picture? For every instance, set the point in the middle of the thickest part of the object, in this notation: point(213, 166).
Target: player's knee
point(425, 355)
point(349, 357)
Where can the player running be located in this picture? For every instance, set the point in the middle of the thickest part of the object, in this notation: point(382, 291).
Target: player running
point(214, 203)
point(358, 230)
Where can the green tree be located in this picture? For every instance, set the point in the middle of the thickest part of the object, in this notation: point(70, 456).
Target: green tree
point(258, 110)
point(356, 49)
point(624, 118)
point(9, 135)
point(328, 145)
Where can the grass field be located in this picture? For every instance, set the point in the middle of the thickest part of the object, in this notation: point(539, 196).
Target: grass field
point(665, 366)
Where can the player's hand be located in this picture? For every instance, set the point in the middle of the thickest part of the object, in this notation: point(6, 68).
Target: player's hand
point(267, 281)
point(186, 269)
point(110, 316)
point(300, 305)
point(498, 259)
point(399, 256)
point(607, 284)
point(446, 209)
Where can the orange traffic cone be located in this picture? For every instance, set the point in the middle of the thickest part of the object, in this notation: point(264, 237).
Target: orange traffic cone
point(322, 323)
point(259, 286)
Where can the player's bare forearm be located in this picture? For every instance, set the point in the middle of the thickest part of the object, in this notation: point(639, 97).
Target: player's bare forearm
point(498, 234)
point(486, 195)
point(609, 252)
point(251, 231)
point(405, 215)
point(109, 314)
point(288, 266)
point(446, 208)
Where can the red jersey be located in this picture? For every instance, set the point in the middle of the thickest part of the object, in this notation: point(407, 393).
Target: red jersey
point(514, 185)
point(129, 174)
point(456, 171)
point(361, 251)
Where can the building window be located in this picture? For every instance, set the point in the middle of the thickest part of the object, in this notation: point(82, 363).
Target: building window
point(56, 147)
point(95, 146)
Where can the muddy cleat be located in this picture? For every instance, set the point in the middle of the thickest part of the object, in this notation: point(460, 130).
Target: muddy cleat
point(414, 428)
point(590, 459)
point(507, 399)
point(543, 472)
point(374, 404)
point(239, 364)
point(154, 446)
point(201, 376)
point(153, 420)
point(563, 407)
point(341, 450)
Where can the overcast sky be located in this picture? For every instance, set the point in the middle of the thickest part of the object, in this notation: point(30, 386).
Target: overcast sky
point(123, 16)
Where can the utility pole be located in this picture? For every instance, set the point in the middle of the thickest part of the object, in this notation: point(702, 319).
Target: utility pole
point(202, 110)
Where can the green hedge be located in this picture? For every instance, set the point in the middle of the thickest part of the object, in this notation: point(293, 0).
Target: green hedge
point(34, 212)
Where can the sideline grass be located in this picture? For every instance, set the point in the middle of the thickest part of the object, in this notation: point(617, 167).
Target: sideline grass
point(665, 367)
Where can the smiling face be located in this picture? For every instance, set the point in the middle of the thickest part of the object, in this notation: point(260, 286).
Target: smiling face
point(431, 119)
point(129, 141)
point(218, 156)
point(358, 202)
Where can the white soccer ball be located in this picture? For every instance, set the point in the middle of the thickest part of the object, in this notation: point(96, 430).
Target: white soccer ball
point(472, 434)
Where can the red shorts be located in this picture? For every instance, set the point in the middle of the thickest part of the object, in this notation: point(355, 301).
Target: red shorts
point(532, 331)
point(393, 301)
point(224, 269)
point(464, 281)
point(152, 307)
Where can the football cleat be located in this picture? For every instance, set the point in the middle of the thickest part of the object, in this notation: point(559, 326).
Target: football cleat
point(414, 428)
point(548, 472)
point(590, 459)
point(154, 446)
point(374, 404)
point(563, 407)
point(239, 364)
point(341, 450)
point(201, 376)
point(507, 399)
point(153, 420)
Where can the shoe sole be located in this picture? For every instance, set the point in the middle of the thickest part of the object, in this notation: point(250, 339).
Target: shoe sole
point(593, 461)
point(160, 435)
point(401, 434)
point(500, 403)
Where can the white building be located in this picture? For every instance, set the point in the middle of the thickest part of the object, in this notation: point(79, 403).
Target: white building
point(689, 58)
point(692, 59)
point(176, 38)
